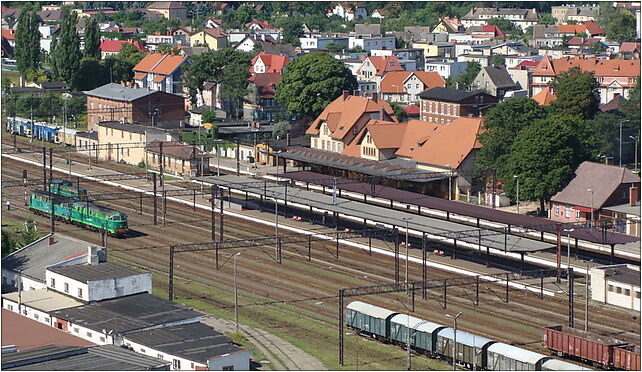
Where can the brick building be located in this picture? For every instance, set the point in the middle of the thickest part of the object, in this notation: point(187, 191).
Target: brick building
point(113, 102)
point(183, 160)
point(443, 105)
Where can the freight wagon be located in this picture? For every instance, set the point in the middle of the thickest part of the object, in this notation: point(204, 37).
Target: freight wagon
point(436, 340)
point(627, 357)
point(585, 346)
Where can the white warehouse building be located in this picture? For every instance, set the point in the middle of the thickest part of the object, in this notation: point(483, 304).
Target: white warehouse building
point(617, 285)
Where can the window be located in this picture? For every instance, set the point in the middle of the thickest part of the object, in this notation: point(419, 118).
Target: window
point(577, 215)
point(627, 292)
point(89, 334)
point(46, 320)
point(177, 364)
point(637, 294)
point(80, 292)
point(142, 350)
point(192, 365)
point(53, 282)
point(618, 290)
point(102, 339)
point(160, 356)
point(557, 210)
point(610, 288)
point(76, 330)
point(567, 212)
point(66, 287)
point(10, 307)
point(228, 368)
point(36, 316)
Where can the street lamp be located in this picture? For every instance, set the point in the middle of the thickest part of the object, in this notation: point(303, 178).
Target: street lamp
point(568, 232)
point(636, 151)
point(517, 178)
point(592, 203)
point(454, 318)
point(276, 153)
point(407, 219)
point(236, 298)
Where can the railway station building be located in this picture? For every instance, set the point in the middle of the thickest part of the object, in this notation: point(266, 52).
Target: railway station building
point(617, 285)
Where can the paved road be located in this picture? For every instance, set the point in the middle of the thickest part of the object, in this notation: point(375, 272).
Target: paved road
point(281, 354)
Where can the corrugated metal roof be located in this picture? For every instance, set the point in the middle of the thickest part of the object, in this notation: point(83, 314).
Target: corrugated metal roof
point(560, 365)
point(372, 310)
point(415, 323)
point(516, 353)
point(464, 338)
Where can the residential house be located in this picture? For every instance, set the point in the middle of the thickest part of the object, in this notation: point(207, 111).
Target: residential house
point(595, 188)
point(179, 159)
point(512, 48)
point(7, 49)
point(87, 141)
point(260, 104)
point(212, 38)
point(342, 120)
point(10, 36)
point(252, 42)
point(436, 49)
point(445, 68)
point(212, 22)
point(555, 35)
point(169, 9)
point(255, 25)
point(444, 105)
point(422, 33)
point(373, 42)
point(46, 36)
point(116, 140)
point(162, 72)
point(615, 76)
point(577, 13)
point(405, 86)
point(617, 285)
point(196, 115)
point(484, 32)
point(112, 47)
point(411, 59)
point(114, 102)
point(483, 60)
point(348, 12)
point(182, 35)
point(449, 25)
point(153, 41)
point(523, 18)
point(265, 63)
point(375, 68)
point(193, 346)
point(50, 16)
point(322, 42)
point(376, 14)
point(496, 81)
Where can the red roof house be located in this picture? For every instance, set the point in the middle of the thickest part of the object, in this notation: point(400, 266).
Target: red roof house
point(268, 63)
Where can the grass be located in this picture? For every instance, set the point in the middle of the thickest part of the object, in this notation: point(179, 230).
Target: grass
point(13, 75)
point(302, 328)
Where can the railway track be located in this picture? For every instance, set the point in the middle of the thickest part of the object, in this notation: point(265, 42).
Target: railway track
point(302, 285)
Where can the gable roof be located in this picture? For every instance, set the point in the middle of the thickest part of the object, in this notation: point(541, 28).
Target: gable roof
point(118, 92)
point(601, 178)
point(384, 134)
point(448, 94)
point(411, 110)
point(499, 76)
point(611, 67)
point(164, 64)
point(626, 46)
point(416, 134)
point(592, 28)
point(214, 32)
point(494, 29)
point(176, 150)
point(384, 64)
point(273, 63)
point(613, 105)
point(450, 144)
point(576, 41)
point(367, 29)
point(342, 114)
point(9, 34)
point(265, 83)
point(394, 80)
point(115, 45)
point(50, 15)
point(262, 25)
point(166, 5)
point(545, 97)
point(454, 24)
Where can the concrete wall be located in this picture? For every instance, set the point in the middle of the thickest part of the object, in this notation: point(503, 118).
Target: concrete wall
point(26, 311)
point(612, 291)
point(240, 361)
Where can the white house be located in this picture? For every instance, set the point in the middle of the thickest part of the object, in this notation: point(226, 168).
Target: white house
point(37, 304)
point(445, 68)
point(617, 285)
point(370, 43)
point(349, 12)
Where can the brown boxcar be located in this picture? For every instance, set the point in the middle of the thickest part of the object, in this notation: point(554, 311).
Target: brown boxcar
point(583, 345)
point(627, 358)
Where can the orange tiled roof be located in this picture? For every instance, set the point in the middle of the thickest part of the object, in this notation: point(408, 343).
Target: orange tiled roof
point(273, 63)
point(385, 64)
point(158, 63)
point(214, 32)
point(158, 79)
point(343, 113)
point(601, 68)
point(572, 29)
point(385, 134)
point(139, 75)
point(545, 97)
point(393, 81)
point(416, 134)
point(450, 144)
point(9, 34)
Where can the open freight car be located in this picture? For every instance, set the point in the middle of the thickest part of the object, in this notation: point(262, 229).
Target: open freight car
point(627, 357)
point(582, 345)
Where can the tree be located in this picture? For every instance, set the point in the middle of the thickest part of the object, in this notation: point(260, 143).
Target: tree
point(29, 233)
point(9, 242)
point(398, 109)
point(280, 129)
point(501, 125)
point(547, 19)
point(67, 54)
point(577, 94)
point(208, 116)
point(244, 14)
point(631, 108)
point(463, 81)
point(292, 30)
point(27, 50)
point(311, 82)
point(505, 26)
point(618, 23)
point(92, 39)
point(498, 60)
point(598, 47)
point(91, 74)
point(120, 66)
point(544, 156)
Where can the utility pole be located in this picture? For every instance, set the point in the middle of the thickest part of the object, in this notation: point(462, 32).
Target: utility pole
point(236, 297)
point(586, 309)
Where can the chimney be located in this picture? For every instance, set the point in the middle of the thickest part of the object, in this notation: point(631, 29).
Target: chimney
point(375, 97)
point(345, 95)
point(51, 239)
point(381, 113)
point(92, 255)
point(287, 139)
point(634, 195)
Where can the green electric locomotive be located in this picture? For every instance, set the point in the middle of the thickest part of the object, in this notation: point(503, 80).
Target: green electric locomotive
point(66, 188)
point(81, 213)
